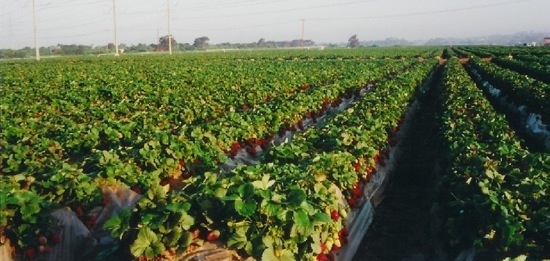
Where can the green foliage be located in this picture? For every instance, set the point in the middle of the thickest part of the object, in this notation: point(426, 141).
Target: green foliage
point(495, 197)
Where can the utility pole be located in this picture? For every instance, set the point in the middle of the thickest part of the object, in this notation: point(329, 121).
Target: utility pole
point(302, 41)
point(169, 31)
point(10, 35)
point(37, 51)
point(114, 22)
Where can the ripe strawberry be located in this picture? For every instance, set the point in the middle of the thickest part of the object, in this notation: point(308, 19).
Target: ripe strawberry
point(30, 252)
point(357, 166)
point(357, 190)
point(186, 174)
point(164, 182)
point(323, 249)
point(334, 215)
point(104, 201)
point(136, 189)
point(251, 150)
point(90, 222)
point(213, 235)
point(44, 249)
point(42, 240)
point(56, 239)
point(352, 202)
point(79, 211)
point(322, 257)
point(196, 233)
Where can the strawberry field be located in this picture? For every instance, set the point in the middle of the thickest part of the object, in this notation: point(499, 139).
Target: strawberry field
point(270, 155)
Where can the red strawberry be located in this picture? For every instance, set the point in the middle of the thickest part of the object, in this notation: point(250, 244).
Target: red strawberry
point(343, 236)
point(105, 200)
point(357, 166)
point(30, 252)
point(186, 174)
point(196, 233)
point(56, 239)
point(213, 235)
point(357, 191)
point(334, 215)
point(90, 222)
point(322, 257)
point(164, 182)
point(42, 240)
point(79, 211)
point(352, 202)
point(251, 151)
point(323, 248)
point(44, 249)
point(136, 189)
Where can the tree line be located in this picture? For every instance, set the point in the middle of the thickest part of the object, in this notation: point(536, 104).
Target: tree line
point(200, 43)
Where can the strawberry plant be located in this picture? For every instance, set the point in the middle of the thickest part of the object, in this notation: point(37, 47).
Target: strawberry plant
point(486, 167)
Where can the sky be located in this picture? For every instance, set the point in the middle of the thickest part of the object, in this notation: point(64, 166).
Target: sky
point(91, 22)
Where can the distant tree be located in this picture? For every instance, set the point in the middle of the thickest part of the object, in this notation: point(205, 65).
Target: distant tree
point(353, 41)
point(261, 42)
point(111, 46)
point(163, 43)
point(201, 42)
point(185, 47)
point(140, 48)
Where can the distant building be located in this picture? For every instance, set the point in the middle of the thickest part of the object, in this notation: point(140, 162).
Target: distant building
point(547, 41)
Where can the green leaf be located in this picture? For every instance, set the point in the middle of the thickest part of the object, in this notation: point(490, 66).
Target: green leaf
point(187, 221)
point(246, 191)
point(263, 184)
point(283, 255)
point(321, 218)
point(302, 222)
point(237, 240)
point(271, 209)
point(245, 208)
point(296, 197)
point(145, 243)
point(119, 223)
point(179, 207)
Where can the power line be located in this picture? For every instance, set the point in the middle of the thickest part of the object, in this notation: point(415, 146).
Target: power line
point(37, 52)
point(420, 13)
point(279, 11)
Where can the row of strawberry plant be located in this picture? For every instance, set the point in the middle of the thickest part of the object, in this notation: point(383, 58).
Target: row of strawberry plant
point(534, 70)
point(41, 165)
point(491, 51)
point(359, 54)
point(543, 60)
point(73, 130)
point(288, 208)
point(187, 93)
point(518, 89)
point(493, 190)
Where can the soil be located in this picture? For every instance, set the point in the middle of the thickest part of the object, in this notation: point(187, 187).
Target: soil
point(401, 225)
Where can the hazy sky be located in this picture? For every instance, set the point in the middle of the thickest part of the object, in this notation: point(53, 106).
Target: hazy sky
point(140, 21)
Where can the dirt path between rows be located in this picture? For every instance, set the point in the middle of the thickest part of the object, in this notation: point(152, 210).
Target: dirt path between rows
point(401, 226)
